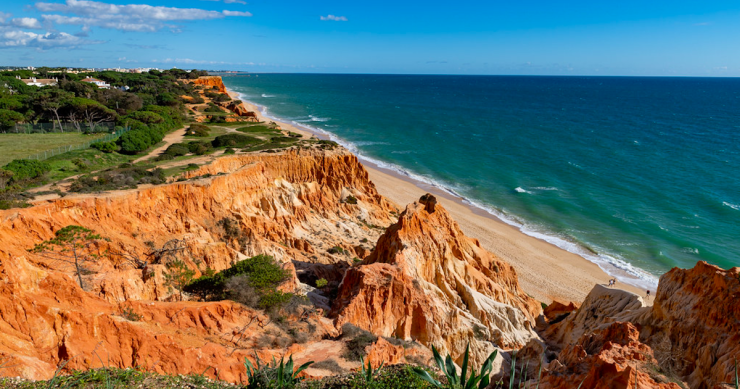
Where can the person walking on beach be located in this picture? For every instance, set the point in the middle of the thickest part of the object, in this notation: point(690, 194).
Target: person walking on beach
point(647, 295)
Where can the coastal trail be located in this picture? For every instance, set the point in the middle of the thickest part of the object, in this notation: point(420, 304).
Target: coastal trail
point(176, 136)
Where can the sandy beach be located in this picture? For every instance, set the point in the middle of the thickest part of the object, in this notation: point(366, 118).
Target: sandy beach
point(545, 271)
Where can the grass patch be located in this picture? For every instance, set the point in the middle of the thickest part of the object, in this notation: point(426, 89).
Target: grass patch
point(62, 166)
point(125, 178)
point(17, 146)
point(118, 379)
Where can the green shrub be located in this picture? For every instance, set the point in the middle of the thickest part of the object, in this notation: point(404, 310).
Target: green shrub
point(351, 200)
point(27, 169)
point(252, 282)
point(282, 139)
point(177, 150)
point(234, 140)
point(106, 147)
point(480, 380)
point(198, 130)
point(321, 282)
point(134, 141)
point(273, 299)
point(262, 270)
point(336, 250)
point(229, 151)
point(146, 117)
point(274, 375)
point(199, 148)
point(127, 178)
point(327, 144)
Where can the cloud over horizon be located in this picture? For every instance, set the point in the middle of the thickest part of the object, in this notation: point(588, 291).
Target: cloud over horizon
point(18, 38)
point(128, 17)
point(334, 18)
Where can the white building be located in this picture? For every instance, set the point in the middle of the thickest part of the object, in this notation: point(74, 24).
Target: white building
point(39, 82)
point(99, 83)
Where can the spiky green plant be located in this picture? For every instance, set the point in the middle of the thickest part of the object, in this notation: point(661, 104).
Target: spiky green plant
point(737, 382)
point(368, 373)
point(447, 367)
point(513, 370)
point(274, 375)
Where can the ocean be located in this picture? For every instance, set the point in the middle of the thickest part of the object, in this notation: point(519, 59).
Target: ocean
point(637, 174)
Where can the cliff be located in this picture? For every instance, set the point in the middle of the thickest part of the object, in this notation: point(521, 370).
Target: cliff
point(428, 282)
point(210, 82)
point(286, 205)
point(690, 334)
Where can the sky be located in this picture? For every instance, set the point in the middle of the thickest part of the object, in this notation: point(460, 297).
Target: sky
point(630, 38)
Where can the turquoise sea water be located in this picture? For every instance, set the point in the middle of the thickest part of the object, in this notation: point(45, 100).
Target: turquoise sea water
point(638, 173)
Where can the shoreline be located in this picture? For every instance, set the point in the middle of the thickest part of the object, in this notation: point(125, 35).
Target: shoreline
point(546, 271)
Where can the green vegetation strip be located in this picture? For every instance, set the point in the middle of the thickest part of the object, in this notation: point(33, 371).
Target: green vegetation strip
point(17, 146)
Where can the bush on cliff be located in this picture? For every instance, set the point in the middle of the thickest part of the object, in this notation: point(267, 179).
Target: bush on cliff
point(198, 130)
point(177, 150)
point(252, 282)
point(114, 179)
point(106, 147)
point(24, 169)
point(200, 148)
point(234, 140)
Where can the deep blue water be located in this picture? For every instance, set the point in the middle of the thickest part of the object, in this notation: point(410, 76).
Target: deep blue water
point(643, 173)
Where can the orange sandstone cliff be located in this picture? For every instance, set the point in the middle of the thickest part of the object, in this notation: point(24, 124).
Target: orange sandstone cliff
point(210, 82)
point(427, 281)
point(286, 205)
point(690, 334)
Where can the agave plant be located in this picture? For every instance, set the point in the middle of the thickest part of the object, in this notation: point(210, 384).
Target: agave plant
point(274, 375)
point(368, 373)
point(464, 381)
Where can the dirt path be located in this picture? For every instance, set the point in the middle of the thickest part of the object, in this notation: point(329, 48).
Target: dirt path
point(176, 136)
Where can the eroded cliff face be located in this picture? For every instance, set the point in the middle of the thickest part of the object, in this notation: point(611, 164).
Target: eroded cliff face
point(690, 334)
point(210, 81)
point(287, 205)
point(428, 282)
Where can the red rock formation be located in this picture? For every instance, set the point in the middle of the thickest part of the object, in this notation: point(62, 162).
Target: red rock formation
point(428, 282)
point(240, 110)
point(611, 358)
point(210, 82)
point(696, 318)
point(693, 326)
point(558, 309)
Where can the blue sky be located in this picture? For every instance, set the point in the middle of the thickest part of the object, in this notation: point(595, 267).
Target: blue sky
point(683, 38)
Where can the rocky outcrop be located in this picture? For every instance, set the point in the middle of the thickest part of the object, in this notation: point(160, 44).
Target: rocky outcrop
point(286, 205)
point(427, 281)
point(694, 324)
point(610, 358)
point(210, 82)
point(692, 329)
point(240, 110)
point(558, 310)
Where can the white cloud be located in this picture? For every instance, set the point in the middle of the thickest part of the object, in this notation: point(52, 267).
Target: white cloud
point(236, 13)
point(4, 16)
point(32, 23)
point(334, 18)
point(18, 38)
point(232, 1)
point(127, 17)
point(199, 62)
